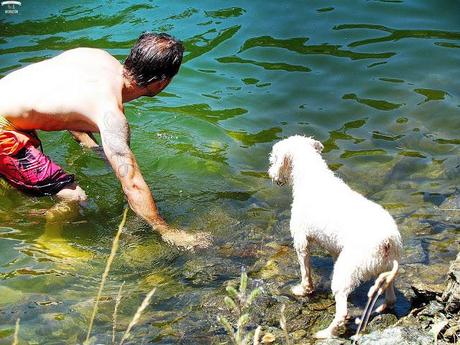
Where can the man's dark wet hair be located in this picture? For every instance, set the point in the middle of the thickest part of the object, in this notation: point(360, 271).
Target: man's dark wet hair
point(154, 57)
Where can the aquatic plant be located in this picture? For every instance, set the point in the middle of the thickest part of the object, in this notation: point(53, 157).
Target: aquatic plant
point(239, 302)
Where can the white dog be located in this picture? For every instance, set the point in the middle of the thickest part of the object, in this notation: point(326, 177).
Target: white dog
point(361, 236)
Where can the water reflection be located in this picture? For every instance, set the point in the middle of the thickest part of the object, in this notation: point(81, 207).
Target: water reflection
point(395, 34)
point(298, 45)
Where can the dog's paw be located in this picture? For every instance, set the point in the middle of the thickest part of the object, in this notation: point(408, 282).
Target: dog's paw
point(300, 290)
point(324, 334)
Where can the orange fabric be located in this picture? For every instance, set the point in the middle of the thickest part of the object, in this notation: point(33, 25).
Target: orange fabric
point(11, 142)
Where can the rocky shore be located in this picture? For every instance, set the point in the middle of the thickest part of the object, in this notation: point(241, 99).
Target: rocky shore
point(434, 313)
point(427, 287)
point(435, 317)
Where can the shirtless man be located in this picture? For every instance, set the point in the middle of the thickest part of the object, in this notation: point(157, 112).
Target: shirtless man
point(83, 90)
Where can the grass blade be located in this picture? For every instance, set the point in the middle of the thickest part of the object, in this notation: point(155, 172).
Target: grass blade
point(106, 272)
point(16, 333)
point(138, 314)
point(115, 311)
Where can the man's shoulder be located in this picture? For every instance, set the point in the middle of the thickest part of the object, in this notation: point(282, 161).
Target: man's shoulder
point(87, 53)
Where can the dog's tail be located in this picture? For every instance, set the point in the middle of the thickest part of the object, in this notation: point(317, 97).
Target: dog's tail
point(382, 282)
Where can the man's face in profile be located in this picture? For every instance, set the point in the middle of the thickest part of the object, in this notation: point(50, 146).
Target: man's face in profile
point(157, 86)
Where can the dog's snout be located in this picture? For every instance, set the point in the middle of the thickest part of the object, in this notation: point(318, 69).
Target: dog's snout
point(280, 182)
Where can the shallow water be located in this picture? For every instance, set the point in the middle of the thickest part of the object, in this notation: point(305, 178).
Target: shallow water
point(375, 81)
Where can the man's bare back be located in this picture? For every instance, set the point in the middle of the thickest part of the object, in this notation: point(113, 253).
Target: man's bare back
point(67, 92)
point(83, 90)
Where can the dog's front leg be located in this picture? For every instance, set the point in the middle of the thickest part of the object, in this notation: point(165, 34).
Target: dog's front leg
point(303, 255)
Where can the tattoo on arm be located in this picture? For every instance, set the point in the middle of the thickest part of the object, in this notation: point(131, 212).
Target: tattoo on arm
point(116, 137)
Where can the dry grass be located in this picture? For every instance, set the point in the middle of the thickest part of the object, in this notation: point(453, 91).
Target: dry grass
point(283, 325)
point(115, 312)
point(106, 272)
point(16, 333)
point(137, 316)
point(139, 311)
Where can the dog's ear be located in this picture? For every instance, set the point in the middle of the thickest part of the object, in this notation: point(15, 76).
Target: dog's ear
point(286, 162)
point(318, 146)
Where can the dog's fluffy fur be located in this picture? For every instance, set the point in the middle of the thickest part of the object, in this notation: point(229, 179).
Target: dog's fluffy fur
point(361, 236)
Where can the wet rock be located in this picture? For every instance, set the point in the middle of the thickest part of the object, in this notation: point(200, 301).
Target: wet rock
point(450, 209)
point(382, 322)
point(332, 341)
point(452, 333)
point(432, 309)
point(414, 252)
point(436, 306)
point(451, 295)
point(452, 166)
point(277, 264)
point(298, 335)
point(397, 335)
point(427, 280)
point(414, 225)
point(369, 178)
point(425, 292)
point(138, 256)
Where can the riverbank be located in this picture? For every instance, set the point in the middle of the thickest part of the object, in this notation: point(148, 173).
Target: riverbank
point(428, 294)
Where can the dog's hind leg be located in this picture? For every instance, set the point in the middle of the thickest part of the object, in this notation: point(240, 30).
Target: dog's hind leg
point(390, 296)
point(345, 278)
point(390, 299)
point(303, 255)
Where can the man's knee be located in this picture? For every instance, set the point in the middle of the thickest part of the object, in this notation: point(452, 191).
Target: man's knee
point(72, 192)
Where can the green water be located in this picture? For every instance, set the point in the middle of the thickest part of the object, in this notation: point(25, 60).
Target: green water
point(376, 81)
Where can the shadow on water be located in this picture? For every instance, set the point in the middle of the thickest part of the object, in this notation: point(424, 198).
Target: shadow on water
point(199, 44)
point(204, 111)
point(298, 45)
point(396, 35)
point(62, 23)
point(281, 66)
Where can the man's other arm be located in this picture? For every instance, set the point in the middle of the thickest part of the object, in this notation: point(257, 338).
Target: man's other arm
point(86, 139)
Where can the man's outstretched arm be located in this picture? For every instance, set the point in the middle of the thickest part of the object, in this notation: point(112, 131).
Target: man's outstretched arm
point(115, 141)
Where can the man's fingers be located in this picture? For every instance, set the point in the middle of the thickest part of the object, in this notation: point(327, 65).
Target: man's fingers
point(187, 241)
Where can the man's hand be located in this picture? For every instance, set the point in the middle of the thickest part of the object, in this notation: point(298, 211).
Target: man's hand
point(186, 240)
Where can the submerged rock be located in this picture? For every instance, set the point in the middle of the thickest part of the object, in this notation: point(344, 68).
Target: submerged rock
point(201, 271)
point(450, 209)
point(9, 295)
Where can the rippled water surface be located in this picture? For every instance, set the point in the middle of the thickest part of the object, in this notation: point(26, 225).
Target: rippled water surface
point(376, 81)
